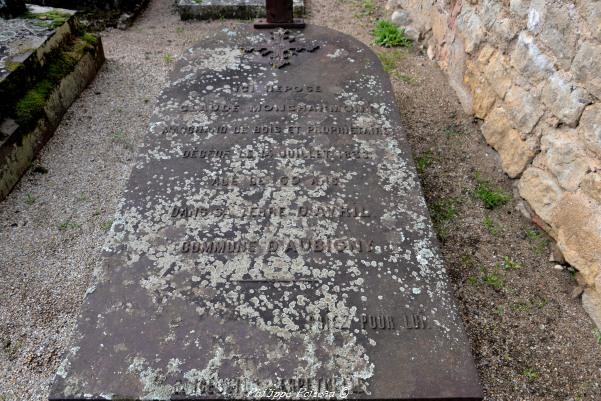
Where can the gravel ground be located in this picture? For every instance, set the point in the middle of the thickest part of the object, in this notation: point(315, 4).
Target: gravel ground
point(531, 339)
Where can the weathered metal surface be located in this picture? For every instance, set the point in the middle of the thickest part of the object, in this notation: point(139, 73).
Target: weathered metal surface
point(278, 11)
point(279, 14)
point(273, 237)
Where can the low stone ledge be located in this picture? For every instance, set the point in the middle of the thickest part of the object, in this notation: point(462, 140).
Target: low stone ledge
point(240, 9)
point(22, 135)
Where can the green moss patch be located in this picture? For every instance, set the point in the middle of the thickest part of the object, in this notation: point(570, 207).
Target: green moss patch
point(60, 63)
point(32, 104)
point(12, 66)
point(51, 19)
point(89, 38)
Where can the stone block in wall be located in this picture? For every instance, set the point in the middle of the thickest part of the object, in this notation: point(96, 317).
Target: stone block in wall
point(590, 128)
point(556, 26)
point(456, 72)
point(515, 152)
point(392, 5)
point(440, 26)
point(400, 18)
point(498, 73)
point(529, 60)
point(577, 222)
point(496, 18)
point(519, 7)
point(420, 12)
point(541, 191)
point(591, 11)
point(565, 100)
point(470, 28)
point(483, 97)
point(524, 108)
point(591, 186)
point(587, 67)
point(565, 157)
point(490, 10)
point(591, 301)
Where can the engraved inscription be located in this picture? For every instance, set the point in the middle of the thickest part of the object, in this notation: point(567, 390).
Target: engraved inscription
point(288, 153)
point(350, 130)
point(301, 246)
point(186, 212)
point(409, 321)
point(251, 180)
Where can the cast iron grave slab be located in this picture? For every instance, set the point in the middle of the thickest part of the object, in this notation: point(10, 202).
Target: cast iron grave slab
point(272, 239)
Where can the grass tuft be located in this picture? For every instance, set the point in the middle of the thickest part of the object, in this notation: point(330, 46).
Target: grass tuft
point(490, 195)
point(530, 374)
point(423, 161)
point(492, 227)
point(510, 264)
point(68, 225)
point(443, 212)
point(389, 60)
point(30, 200)
point(494, 280)
point(597, 335)
point(538, 241)
point(453, 131)
point(389, 35)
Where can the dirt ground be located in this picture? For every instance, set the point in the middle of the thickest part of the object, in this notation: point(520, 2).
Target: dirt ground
point(531, 339)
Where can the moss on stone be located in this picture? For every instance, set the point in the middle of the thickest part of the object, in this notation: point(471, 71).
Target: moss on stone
point(60, 64)
point(30, 107)
point(51, 19)
point(12, 65)
point(89, 38)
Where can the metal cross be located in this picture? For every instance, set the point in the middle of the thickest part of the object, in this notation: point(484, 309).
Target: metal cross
point(281, 47)
point(280, 14)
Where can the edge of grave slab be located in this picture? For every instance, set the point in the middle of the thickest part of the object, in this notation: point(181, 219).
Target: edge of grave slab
point(40, 83)
point(122, 346)
point(238, 9)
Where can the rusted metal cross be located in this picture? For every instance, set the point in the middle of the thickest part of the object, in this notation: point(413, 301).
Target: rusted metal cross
point(281, 47)
point(280, 14)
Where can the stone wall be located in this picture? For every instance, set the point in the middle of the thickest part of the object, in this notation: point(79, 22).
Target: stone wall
point(531, 70)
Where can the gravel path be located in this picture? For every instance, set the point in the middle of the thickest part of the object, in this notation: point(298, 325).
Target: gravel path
point(53, 224)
